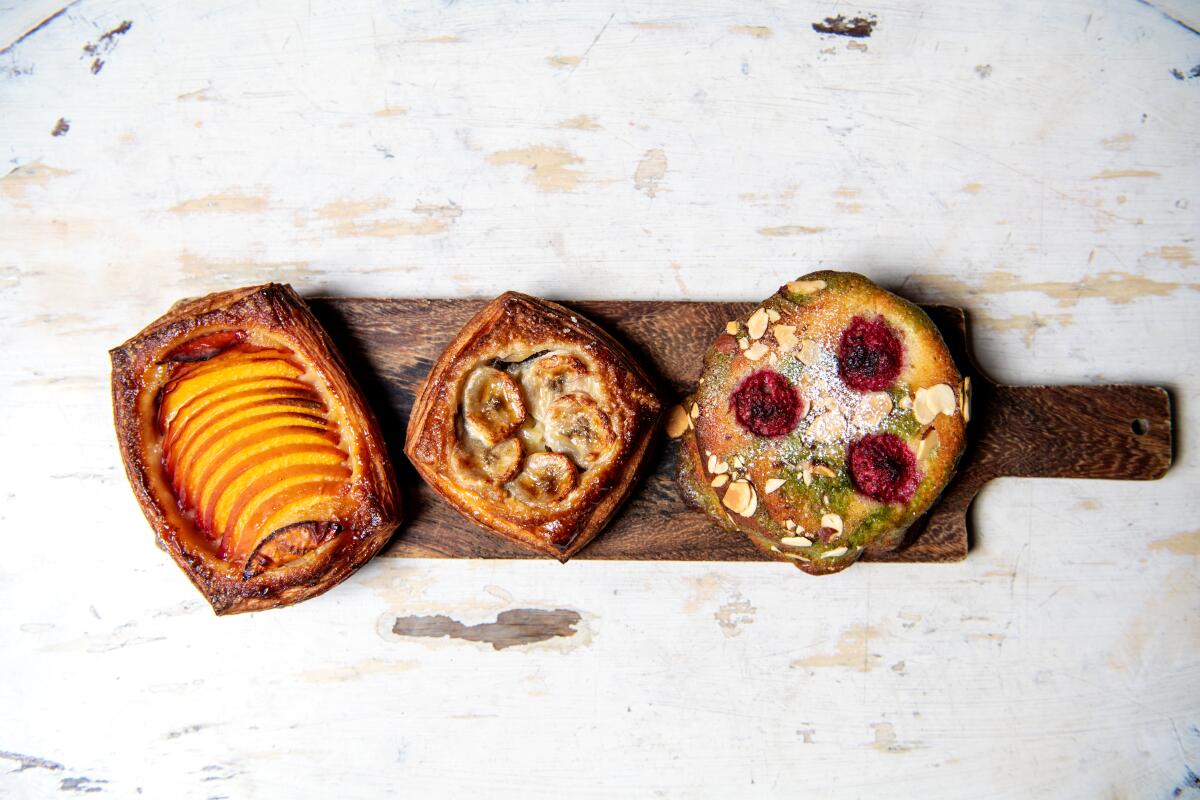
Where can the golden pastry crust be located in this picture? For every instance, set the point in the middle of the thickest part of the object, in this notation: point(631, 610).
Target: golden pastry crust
point(534, 423)
point(813, 448)
point(250, 449)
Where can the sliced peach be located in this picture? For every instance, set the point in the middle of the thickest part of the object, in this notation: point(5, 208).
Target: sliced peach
point(273, 514)
point(221, 373)
point(202, 348)
point(271, 476)
point(206, 399)
point(248, 450)
point(288, 543)
point(201, 436)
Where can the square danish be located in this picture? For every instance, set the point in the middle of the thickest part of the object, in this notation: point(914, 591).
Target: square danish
point(250, 449)
point(534, 423)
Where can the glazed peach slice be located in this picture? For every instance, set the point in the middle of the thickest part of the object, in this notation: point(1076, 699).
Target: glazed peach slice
point(277, 463)
point(205, 405)
point(228, 369)
point(309, 500)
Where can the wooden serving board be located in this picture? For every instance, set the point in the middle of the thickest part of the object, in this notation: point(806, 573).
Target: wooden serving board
point(1119, 432)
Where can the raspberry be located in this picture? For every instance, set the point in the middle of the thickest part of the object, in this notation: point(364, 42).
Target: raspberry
point(884, 468)
point(870, 355)
point(766, 404)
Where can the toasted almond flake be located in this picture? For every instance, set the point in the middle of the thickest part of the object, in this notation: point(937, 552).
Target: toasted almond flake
point(712, 463)
point(732, 328)
point(749, 512)
point(832, 521)
point(823, 471)
point(828, 427)
point(805, 287)
point(791, 526)
point(738, 497)
point(825, 499)
point(772, 315)
point(677, 422)
point(720, 468)
point(906, 402)
point(772, 485)
point(795, 556)
point(719, 481)
point(932, 401)
point(809, 352)
point(743, 343)
point(695, 410)
point(756, 351)
point(738, 462)
point(786, 336)
point(806, 473)
point(966, 399)
point(836, 552)
point(929, 444)
point(873, 407)
point(773, 359)
point(796, 541)
point(756, 326)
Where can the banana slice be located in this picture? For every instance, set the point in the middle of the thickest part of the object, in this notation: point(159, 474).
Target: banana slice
point(576, 425)
point(495, 465)
point(547, 479)
point(547, 378)
point(492, 405)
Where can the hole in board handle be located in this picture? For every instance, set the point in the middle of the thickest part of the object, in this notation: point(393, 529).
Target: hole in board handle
point(1140, 427)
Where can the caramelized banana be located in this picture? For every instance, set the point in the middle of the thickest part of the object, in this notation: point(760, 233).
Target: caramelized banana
point(547, 479)
point(576, 425)
point(496, 465)
point(492, 405)
point(551, 376)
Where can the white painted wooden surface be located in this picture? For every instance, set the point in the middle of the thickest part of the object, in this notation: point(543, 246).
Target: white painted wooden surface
point(1038, 164)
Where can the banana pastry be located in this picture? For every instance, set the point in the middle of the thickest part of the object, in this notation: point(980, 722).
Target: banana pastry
point(250, 449)
point(534, 423)
point(827, 420)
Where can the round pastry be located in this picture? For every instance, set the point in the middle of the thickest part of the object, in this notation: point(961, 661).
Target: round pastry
point(829, 419)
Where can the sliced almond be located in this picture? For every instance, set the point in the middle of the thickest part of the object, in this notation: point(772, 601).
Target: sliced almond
point(932, 401)
point(750, 509)
point(832, 521)
point(965, 401)
point(732, 328)
point(786, 336)
point(772, 315)
point(796, 541)
point(719, 481)
point(928, 445)
point(695, 410)
point(873, 408)
point(809, 352)
point(772, 485)
point(738, 462)
point(677, 422)
point(789, 524)
point(828, 428)
point(719, 467)
point(836, 552)
point(756, 351)
point(756, 326)
point(823, 471)
point(743, 343)
point(807, 473)
point(805, 287)
point(773, 359)
point(738, 497)
point(906, 402)
point(712, 463)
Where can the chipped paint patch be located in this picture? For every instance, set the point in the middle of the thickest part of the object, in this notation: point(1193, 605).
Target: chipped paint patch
point(1181, 544)
point(1028, 324)
point(972, 188)
point(856, 27)
point(1115, 287)
point(350, 209)
point(35, 175)
point(735, 613)
point(846, 191)
point(391, 111)
point(704, 589)
point(549, 167)
point(1177, 254)
point(30, 762)
point(562, 62)
point(851, 651)
point(347, 218)
point(240, 272)
point(885, 739)
point(444, 39)
point(790, 230)
point(1116, 174)
point(650, 171)
point(512, 628)
point(757, 31)
point(354, 672)
point(1120, 142)
point(583, 122)
point(222, 203)
point(1088, 504)
point(656, 26)
point(984, 71)
point(850, 208)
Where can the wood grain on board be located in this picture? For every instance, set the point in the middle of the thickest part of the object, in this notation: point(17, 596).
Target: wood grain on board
point(1120, 432)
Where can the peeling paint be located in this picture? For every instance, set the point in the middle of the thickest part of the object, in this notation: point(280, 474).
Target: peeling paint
point(1181, 544)
point(757, 31)
point(391, 111)
point(512, 628)
point(583, 122)
point(1028, 324)
point(790, 230)
point(1178, 254)
point(885, 739)
point(650, 170)
point(562, 62)
point(1114, 174)
point(549, 167)
point(733, 614)
point(851, 651)
point(1115, 287)
point(1120, 142)
point(232, 202)
point(17, 183)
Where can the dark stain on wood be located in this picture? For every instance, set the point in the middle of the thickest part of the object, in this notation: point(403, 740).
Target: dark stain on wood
point(1023, 431)
point(105, 45)
point(61, 127)
point(512, 628)
point(858, 27)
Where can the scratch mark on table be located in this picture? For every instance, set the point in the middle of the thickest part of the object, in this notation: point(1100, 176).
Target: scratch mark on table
point(1117, 174)
point(39, 26)
point(599, 33)
point(512, 628)
point(1166, 15)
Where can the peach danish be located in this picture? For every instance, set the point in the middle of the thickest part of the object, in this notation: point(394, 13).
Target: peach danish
point(534, 423)
point(251, 450)
point(827, 420)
